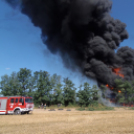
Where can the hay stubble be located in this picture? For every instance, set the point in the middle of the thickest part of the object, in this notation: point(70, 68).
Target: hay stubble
point(69, 122)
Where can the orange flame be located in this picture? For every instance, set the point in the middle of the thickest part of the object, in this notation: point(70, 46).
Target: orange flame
point(119, 91)
point(132, 105)
point(117, 72)
point(109, 86)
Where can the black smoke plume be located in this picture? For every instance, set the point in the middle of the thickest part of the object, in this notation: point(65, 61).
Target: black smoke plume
point(84, 34)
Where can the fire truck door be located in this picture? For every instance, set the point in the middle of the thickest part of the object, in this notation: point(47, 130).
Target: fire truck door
point(11, 104)
point(16, 102)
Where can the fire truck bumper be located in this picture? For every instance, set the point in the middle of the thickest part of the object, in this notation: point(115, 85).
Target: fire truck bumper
point(26, 109)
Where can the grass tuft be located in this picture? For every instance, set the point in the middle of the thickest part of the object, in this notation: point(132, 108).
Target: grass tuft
point(81, 109)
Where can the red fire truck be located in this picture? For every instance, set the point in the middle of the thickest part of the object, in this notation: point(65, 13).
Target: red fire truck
point(16, 105)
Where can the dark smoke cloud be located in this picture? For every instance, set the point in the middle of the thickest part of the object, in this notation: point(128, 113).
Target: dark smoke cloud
point(84, 34)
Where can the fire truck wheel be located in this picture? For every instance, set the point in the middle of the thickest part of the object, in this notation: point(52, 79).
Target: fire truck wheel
point(17, 112)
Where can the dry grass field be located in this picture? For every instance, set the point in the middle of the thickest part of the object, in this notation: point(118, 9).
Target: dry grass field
point(119, 121)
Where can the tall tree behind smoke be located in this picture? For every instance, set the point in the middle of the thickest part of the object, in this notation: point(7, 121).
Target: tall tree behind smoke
point(84, 34)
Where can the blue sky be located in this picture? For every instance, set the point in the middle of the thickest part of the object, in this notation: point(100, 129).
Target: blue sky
point(21, 45)
point(123, 10)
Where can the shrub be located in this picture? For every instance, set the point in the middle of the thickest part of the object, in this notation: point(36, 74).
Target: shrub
point(81, 109)
point(131, 108)
point(91, 109)
point(99, 107)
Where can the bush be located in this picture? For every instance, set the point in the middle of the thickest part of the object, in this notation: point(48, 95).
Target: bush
point(81, 109)
point(131, 108)
point(91, 109)
point(99, 107)
point(94, 104)
point(70, 105)
point(108, 108)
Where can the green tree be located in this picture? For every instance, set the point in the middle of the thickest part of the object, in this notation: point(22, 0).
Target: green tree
point(103, 89)
point(85, 96)
point(125, 91)
point(32, 86)
point(24, 76)
point(43, 88)
point(14, 84)
point(5, 86)
point(81, 95)
point(58, 94)
point(10, 85)
point(55, 79)
point(57, 89)
point(68, 92)
point(94, 91)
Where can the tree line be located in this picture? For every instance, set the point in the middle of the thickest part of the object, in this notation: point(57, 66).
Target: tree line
point(53, 89)
point(47, 89)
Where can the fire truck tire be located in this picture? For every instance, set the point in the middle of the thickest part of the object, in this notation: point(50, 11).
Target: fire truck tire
point(17, 112)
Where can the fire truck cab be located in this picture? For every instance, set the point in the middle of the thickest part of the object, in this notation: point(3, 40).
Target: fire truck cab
point(16, 105)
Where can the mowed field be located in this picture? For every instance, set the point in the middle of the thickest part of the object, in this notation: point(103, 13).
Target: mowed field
point(119, 121)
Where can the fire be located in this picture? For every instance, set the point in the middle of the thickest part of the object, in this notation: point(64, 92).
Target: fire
point(117, 72)
point(109, 86)
point(119, 91)
point(127, 105)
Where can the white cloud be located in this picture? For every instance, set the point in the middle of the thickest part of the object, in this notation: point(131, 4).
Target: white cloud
point(7, 68)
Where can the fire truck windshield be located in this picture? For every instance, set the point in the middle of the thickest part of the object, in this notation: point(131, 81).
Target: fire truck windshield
point(28, 100)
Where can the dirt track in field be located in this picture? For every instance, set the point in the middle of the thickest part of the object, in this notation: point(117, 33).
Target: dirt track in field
point(119, 121)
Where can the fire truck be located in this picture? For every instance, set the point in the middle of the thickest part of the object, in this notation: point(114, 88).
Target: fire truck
point(16, 105)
